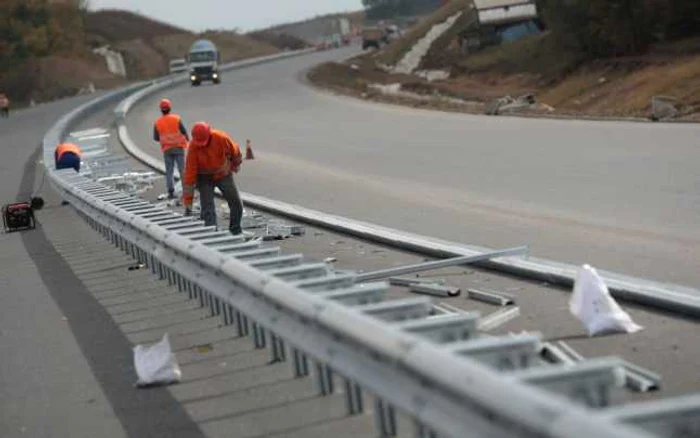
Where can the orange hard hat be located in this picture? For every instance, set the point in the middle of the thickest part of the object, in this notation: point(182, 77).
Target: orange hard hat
point(165, 105)
point(201, 131)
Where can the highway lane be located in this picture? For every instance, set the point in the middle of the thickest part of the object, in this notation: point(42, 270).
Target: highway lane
point(622, 196)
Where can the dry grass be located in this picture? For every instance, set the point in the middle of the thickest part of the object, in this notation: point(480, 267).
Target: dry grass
point(621, 91)
point(117, 25)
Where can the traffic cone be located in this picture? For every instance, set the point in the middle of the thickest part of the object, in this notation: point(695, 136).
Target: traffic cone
point(248, 151)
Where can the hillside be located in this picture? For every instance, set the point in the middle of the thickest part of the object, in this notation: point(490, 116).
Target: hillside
point(47, 48)
point(584, 62)
point(147, 44)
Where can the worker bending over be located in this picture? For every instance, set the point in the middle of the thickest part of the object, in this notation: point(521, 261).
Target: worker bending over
point(66, 156)
point(172, 136)
point(212, 158)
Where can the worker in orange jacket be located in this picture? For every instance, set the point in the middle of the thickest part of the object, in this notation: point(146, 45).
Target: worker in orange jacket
point(66, 156)
point(172, 136)
point(212, 159)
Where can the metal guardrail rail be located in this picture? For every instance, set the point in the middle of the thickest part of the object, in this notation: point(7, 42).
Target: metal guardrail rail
point(440, 370)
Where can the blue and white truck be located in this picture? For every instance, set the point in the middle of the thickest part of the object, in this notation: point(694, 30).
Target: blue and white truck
point(203, 60)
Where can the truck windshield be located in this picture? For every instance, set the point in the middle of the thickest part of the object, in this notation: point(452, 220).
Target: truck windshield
point(202, 56)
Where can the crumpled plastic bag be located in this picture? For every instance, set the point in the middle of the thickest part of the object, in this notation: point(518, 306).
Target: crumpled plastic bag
point(593, 305)
point(156, 364)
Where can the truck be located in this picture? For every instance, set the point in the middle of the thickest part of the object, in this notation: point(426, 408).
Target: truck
point(203, 61)
point(373, 37)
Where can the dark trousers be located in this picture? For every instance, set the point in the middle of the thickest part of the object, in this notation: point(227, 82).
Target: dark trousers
point(68, 160)
point(206, 185)
point(5, 112)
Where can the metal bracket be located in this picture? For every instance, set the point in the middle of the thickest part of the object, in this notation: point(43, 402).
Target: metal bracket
point(501, 353)
point(399, 310)
point(449, 328)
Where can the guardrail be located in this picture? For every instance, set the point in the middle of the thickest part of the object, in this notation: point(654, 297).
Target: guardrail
point(666, 296)
point(439, 370)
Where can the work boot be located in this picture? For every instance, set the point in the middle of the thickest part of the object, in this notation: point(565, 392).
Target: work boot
point(171, 195)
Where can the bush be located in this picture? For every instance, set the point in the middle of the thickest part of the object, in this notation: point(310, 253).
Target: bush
point(607, 28)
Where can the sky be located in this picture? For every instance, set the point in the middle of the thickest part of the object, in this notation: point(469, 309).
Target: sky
point(246, 15)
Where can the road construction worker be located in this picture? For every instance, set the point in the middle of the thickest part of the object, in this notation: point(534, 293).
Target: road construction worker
point(172, 136)
point(4, 106)
point(66, 156)
point(212, 159)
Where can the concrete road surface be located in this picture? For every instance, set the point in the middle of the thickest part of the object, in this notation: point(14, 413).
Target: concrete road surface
point(621, 196)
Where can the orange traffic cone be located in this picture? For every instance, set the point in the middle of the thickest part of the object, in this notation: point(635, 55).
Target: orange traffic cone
point(248, 151)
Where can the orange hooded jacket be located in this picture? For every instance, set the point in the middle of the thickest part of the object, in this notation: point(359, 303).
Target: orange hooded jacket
point(217, 159)
point(66, 147)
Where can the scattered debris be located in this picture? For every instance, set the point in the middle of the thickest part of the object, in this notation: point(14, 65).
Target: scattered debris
point(136, 267)
point(566, 348)
point(330, 260)
point(444, 263)
point(204, 348)
point(131, 182)
point(277, 230)
point(663, 108)
point(641, 380)
point(253, 220)
point(593, 305)
point(433, 75)
point(156, 364)
point(509, 104)
point(491, 297)
point(437, 290)
point(498, 318)
point(555, 355)
point(408, 281)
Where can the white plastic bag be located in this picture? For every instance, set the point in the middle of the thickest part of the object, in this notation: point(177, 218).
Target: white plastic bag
point(592, 303)
point(156, 364)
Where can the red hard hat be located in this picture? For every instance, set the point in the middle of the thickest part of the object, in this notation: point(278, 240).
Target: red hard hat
point(201, 131)
point(165, 105)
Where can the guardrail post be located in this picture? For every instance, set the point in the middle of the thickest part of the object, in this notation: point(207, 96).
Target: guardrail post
point(228, 314)
point(301, 364)
point(259, 339)
point(278, 349)
point(353, 398)
point(423, 431)
point(385, 417)
point(242, 324)
point(324, 379)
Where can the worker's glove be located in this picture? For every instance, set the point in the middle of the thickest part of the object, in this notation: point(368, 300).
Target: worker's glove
point(188, 211)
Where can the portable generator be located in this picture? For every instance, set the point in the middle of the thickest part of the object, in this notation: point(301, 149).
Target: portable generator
point(20, 215)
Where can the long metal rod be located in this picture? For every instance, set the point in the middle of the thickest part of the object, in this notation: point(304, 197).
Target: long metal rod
point(427, 266)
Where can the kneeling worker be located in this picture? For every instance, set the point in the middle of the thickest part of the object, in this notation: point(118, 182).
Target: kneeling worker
point(66, 156)
point(212, 158)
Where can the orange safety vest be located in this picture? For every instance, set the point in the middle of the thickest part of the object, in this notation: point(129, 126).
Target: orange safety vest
point(168, 127)
point(216, 159)
point(67, 147)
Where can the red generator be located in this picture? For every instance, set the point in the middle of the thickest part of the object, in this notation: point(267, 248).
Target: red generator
point(20, 215)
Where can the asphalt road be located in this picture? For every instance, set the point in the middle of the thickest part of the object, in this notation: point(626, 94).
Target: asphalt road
point(49, 386)
point(623, 197)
